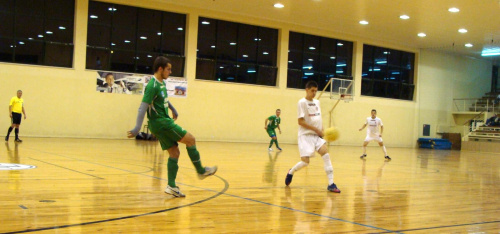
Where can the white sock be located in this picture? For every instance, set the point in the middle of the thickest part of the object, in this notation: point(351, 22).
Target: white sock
point(297, 167)
point(328, 168)
point(364, 149)
point(385, 151)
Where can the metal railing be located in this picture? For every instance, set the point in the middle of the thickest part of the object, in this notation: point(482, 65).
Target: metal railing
point(474, 105)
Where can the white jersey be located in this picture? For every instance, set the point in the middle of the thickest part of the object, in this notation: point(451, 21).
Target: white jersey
point(311, 112)
point(373, 126)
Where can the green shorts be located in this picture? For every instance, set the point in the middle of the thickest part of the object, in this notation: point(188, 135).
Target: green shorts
point(167, 132)
point(271, 132)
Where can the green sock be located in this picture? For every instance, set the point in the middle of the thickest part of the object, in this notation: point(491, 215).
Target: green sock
point(271, 143)
point(194, 155)
point(276, 141)
point(172, 171)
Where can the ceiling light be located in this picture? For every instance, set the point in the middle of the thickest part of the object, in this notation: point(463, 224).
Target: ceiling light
point(48, 32)
point(232, 43)
point(21, 43)
point(290, 61)
point(312, 48)
point(143, 38)
point(265, 53)
point(364, 22)
point(454, 10)
point(93, 16)
point(127, 41)
point(245, 56)
point(462, 30)
point(150, 56)
point(422, 35)
point(205, 22)
point(469, 45)
point(490, 51)
point(180, 29)
point(340, 44)
point(405, 17)
point(311, 60)
point(40, 35)
point(332, 57)
point(30, 38)
point(212, 46)
point(279, 5)
point(111, 9)
point(158, 33)
point(62, 27)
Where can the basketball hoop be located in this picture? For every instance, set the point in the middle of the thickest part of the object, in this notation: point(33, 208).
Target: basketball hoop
point(346, 97)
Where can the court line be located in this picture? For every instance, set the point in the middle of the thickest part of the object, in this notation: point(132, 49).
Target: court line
point(236, 196)
point(445, 226)
point(226, 187)
point(67, 168)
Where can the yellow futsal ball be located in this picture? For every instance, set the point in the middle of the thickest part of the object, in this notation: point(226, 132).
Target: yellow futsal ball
point(331, 134)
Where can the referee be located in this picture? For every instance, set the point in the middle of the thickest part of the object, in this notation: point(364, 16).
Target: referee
point(16, 111)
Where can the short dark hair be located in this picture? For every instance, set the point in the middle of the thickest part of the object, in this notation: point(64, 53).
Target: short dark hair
point(162, 62)
point(278, 110)
point(311, 84)
point(106, 76)
point(374, 110)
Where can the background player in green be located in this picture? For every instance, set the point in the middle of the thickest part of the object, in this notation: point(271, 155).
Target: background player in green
point(155, 103)
point(274, 122)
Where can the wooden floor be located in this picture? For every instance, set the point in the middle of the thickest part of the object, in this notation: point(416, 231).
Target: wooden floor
point(116, 186)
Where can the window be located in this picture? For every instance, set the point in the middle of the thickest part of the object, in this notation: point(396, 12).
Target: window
point(387, 73)
point(317, 58)
point(37, 32)
point(128, 39)
point(234, 52)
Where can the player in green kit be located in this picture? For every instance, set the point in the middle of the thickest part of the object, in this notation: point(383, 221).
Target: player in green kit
point(155, 103)
point(274, 122)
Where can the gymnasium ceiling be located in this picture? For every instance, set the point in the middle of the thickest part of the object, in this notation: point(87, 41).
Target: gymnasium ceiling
point(481, 19)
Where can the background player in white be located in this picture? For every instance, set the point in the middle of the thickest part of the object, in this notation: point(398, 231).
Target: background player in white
point(310, 136)
point(372, 133)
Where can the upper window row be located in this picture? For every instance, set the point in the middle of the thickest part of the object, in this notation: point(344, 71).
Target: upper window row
point(127, 39)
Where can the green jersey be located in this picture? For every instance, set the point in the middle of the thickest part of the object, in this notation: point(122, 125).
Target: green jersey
point(274, 121)
point(157, 98)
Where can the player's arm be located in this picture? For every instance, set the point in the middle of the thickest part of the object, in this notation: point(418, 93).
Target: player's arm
point(364, 125)
point(279, 128)
point(302, 122)
point(24, 113)
point(265, 124)
point(174, 111)
point(140, 118)
point(10, 111)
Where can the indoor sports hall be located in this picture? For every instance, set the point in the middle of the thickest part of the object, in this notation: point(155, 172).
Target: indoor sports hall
point(430, 69)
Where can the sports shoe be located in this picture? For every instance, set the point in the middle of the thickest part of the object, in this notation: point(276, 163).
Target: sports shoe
point(174, 191)
point(288, 179)
point(333, 188)
point(279, 148)
point(363, 156)
point(270, 149)
point(18, 140)
point(208, 172)
point(387, 157)
point(6, 138)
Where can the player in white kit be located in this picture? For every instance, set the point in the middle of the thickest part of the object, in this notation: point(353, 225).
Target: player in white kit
point(310, 136)
point(373, 134)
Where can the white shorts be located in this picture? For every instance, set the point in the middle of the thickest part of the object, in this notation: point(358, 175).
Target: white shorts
point(373, 138)
point(308, 144)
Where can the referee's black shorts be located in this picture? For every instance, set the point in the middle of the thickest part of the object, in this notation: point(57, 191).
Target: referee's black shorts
point(16, 118)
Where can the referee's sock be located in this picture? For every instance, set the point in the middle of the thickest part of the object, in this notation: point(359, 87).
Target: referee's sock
point(17, 133)
point(8, 132)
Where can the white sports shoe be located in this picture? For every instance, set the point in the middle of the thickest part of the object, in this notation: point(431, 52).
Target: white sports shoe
point(208, 172)
point(174, 191)
point(270, 149)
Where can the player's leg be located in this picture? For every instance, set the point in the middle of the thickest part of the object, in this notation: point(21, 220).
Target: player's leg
point(194, 155)
point(271, 134)
point(16, 118)
point(365, 143)
point(9, 131)
point(276, 142)
point(306, 149)
point(381, 144)
point(323, 151)
point(173, 157)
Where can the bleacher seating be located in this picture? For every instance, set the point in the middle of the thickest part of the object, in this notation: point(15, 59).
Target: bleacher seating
point(486, 103)
point(485, 133)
